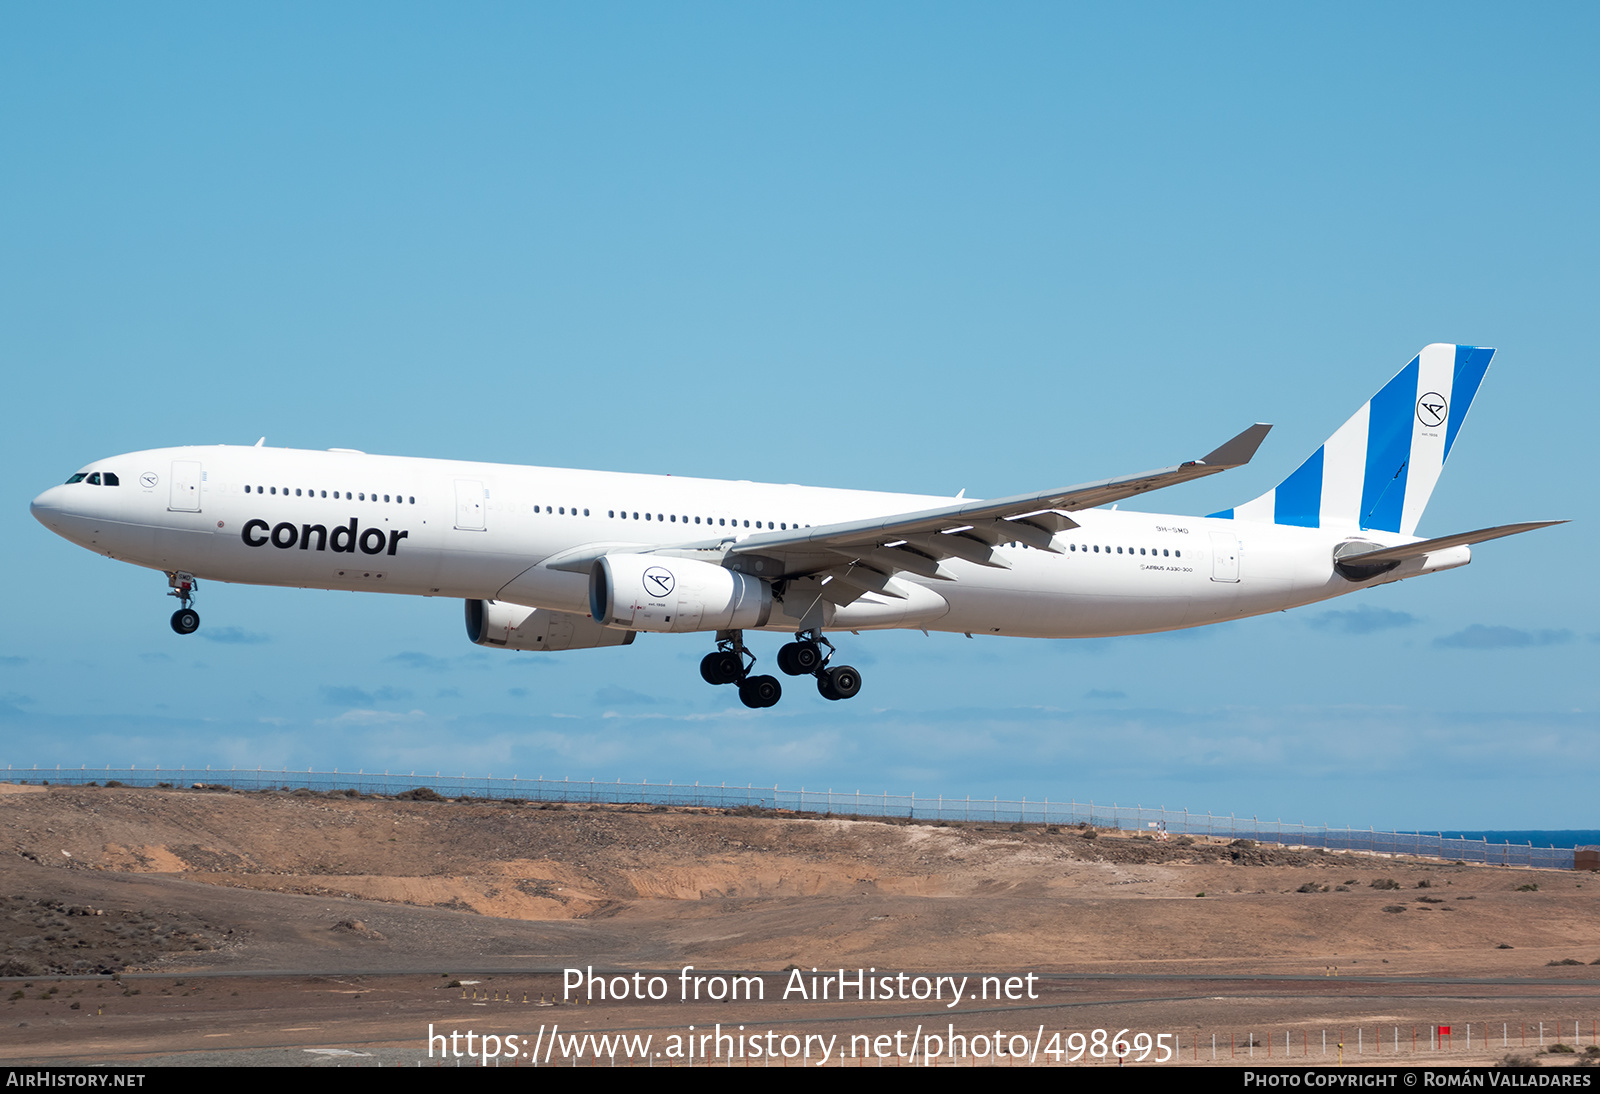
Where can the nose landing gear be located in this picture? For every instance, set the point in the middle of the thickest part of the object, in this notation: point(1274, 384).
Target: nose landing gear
point(184, 585)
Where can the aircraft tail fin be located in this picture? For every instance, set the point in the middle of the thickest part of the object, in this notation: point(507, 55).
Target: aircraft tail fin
point(1378, 470)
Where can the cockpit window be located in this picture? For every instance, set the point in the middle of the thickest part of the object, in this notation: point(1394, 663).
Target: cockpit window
point(94, 479)
point(79, 477)
point(109, 478)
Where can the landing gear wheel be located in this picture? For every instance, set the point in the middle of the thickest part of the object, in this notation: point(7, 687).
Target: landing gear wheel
point(185, 620)
point(800, 658)
point(840, 683)
point(721, 667)
point(760, 691)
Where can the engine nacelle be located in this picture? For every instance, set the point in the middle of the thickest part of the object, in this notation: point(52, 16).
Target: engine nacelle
point(515, 627)
point(648, 593)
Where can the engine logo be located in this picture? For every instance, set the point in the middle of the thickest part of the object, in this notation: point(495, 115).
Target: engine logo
point(658, 581)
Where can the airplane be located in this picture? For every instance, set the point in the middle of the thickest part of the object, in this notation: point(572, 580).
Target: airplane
point(554, 559)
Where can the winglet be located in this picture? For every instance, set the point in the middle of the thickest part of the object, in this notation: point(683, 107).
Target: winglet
point(1238, 451)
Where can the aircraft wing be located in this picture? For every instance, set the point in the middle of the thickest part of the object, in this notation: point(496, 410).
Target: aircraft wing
point(864, 555)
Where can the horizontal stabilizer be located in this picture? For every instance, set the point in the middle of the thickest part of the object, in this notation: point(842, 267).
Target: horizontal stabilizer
point(1427, 546)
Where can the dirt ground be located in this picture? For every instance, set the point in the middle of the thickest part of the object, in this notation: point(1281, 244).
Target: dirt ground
point(208, 926)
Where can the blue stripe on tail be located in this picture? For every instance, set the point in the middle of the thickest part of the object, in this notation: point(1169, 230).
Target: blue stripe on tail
point(1383, 487)
point(1299, 497)
point(1471, 363)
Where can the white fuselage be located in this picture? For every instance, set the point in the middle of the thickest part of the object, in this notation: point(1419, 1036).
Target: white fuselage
point(347, 520)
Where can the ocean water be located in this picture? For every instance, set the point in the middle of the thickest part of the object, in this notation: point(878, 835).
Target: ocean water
point(1566, 837)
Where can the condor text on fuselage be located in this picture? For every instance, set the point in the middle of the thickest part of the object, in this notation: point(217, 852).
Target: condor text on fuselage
point(346, 538)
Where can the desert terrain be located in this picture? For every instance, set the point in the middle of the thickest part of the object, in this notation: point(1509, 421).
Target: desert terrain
point(142, 927)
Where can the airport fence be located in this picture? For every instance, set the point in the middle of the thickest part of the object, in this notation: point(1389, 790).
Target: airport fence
point(1159, 822)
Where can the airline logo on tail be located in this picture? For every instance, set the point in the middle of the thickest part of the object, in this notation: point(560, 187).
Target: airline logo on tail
point(1431, 409)
point(1377, 472)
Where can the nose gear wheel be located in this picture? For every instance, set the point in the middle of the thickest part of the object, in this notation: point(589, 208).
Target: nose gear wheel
point(184, 586)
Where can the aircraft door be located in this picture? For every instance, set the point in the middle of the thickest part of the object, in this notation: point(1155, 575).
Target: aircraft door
point(470, 506)
point(185, 496)
point(1224, 557)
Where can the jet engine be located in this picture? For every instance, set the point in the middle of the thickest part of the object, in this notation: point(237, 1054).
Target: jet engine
point(515, 627)
point(651, 593)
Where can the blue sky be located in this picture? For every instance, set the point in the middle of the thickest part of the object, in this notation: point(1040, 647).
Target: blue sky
point(906, 247)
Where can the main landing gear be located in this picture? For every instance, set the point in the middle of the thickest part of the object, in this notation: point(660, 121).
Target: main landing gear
point(804, 657)
point(185, 620)
point(728, 665)
point(731, 664)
